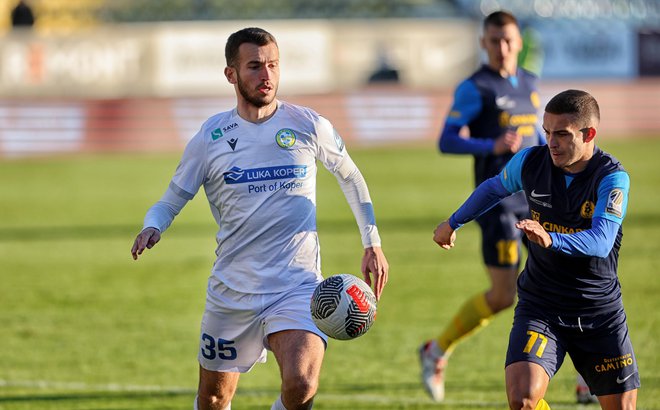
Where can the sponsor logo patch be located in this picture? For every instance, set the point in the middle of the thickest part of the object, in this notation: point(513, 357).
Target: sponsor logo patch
point(615, 364)
point(216, 133)
point(229, 127)
point(615, 203)
point(237, 175)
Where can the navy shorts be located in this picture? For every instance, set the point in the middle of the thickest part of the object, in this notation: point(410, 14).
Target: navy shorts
point(599, 346)
point(500, 239)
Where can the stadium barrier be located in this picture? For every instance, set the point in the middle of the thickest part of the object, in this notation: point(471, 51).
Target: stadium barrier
point(368, 116)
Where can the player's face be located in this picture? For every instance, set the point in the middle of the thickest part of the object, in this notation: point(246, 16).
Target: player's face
point(257, 73)
point(570, 144)
point(502, 44)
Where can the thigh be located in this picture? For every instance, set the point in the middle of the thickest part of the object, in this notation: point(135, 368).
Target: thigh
point(299, 353)
point(604, 356)
point(626, 400)
point(500, 244)
point(525, 381)
point(533, 340)
point(297, 344)
point(291, 311)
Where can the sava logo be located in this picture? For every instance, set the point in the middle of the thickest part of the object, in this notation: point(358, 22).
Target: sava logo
point(237, 175)
point(229, 127)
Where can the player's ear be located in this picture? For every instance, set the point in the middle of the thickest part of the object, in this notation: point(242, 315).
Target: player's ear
point(230, 73)
point(590, 134)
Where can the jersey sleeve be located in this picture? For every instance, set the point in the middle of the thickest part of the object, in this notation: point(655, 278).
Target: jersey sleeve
point(597, 241)
point(331, 149)
point(488, 194)
point(190, 174)
point(467, 106)
point(511, 174)
point(608, 215)
point(612, 200)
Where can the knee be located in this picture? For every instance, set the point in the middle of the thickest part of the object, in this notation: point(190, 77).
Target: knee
point(519, 403)
point(519, 399)
point(299, 388)
point(502, 300)
point(212, 401)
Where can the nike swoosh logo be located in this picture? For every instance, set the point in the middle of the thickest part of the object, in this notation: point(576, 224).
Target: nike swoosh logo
point(621, 381)
point(535, 195)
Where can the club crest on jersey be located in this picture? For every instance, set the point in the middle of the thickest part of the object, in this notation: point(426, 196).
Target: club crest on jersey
point(216, 133)
point(615, 203)
point(285, 138)
point(587, 209)
point(536, 216)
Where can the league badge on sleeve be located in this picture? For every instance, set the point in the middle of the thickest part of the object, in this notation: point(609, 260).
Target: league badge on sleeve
point(338, 140)
point(615, 203)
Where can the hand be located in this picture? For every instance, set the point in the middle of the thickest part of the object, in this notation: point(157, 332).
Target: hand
point(374, 263)
point(444, 235)
point(145, 239)
point(535, 232)
point(510, 141)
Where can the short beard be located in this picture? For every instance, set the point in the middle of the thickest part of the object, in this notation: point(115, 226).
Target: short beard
point(257, 101)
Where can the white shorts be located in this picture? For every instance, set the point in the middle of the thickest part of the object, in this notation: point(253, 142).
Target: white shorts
point(235, 325)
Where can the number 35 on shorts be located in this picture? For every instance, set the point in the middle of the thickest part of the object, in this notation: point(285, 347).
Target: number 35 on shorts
point(532, 347)
point(213, 348)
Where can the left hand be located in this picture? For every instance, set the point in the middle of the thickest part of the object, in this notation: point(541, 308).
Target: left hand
point(374, 263)
point(535, 232)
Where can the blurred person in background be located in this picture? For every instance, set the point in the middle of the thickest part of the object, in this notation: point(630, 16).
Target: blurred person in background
point(497, 105)
point(257, 164)
point(22, 15)
point(569, 294)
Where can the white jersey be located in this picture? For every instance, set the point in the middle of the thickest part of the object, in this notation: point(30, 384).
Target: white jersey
point(260, 181)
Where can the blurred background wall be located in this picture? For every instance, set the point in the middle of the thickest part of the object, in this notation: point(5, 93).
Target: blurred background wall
point(141, 75)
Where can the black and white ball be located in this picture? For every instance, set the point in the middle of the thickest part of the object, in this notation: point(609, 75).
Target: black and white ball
point(343, 306)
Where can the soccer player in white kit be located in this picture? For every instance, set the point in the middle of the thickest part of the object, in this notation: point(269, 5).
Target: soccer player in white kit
point(257, 164)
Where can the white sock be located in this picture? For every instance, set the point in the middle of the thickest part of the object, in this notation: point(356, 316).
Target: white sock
point(278, 404)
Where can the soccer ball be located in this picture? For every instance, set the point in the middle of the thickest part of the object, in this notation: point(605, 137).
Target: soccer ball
point(343, 307)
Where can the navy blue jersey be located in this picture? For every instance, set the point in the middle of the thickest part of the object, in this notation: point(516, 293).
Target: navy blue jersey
point(489, 104)
point(566, 204)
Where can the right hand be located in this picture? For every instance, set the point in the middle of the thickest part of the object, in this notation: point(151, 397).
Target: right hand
point(510, 141)
point(444, 235)
point(145, 239)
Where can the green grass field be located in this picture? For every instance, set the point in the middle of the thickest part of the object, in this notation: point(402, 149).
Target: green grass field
point(83, 326)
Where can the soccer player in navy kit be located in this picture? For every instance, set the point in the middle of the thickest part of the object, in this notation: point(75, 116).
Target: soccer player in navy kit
point(569, 293)
point(498, 105)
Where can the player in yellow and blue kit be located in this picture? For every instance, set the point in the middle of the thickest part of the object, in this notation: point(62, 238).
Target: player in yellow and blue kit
point(569, 293)
point(498, 105)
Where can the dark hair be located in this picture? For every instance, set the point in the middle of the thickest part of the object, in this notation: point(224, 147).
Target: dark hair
point(579, 103)
point(252, 35)
point(500, 19)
